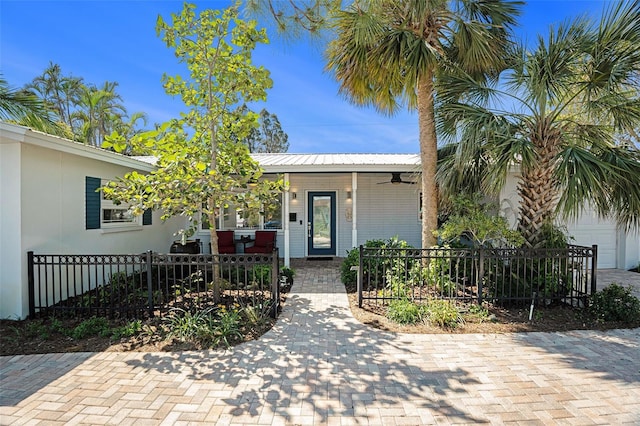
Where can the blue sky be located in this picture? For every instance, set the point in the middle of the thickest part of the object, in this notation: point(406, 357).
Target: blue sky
point(115, 40)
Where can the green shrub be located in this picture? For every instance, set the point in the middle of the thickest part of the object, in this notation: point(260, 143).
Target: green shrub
point(404, 311)
point(478, 312)
point(94, 326)
point(227, 329)
point(130, 329)
point(347, 276)
point(261, 274)
point(288, 273)
point(438, 273)
point(615, 303)
point(257, 315)
point(186, 325)
point(207, 327)
point(477, 222)
point(37, 329)
point(442, 313)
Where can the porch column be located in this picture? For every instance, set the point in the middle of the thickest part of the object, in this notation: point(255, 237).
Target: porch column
point(285, 223)
point(354, 210)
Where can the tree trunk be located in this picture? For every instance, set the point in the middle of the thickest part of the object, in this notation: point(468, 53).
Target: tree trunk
point(538, 188)
point(428, 158)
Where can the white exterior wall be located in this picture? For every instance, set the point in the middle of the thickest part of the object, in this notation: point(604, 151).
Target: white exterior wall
point(616, 248)
point(11, 293)
point(387, 210)
point(42, 192)
point(383, 211)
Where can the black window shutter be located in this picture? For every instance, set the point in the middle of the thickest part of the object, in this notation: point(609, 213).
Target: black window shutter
point(147, 217)
point(92, 203)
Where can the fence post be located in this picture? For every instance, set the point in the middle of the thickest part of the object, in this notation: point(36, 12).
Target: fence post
point(149, 256)
point(360, 274)
point(32, 289)
point(480, 274)
point(275, 282)
point(594, 269)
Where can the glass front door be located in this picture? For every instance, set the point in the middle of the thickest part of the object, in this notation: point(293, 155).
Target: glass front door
point(321, 224)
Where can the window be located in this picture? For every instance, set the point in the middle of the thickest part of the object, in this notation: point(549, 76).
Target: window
point(101, 213)
point(115, 215)
point(204, 219)
point(271, 216)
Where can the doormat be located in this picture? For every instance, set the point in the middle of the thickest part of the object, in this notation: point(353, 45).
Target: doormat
point(319, 258)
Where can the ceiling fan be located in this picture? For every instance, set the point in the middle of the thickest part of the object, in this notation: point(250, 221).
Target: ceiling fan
point(397, 180)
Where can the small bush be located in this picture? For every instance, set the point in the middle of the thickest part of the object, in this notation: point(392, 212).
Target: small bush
point(404, 311)
point(128, 330)
point(442, 313)
point(288, 273)
point(94, 326)
point(615, 303)
point(185, 325)
point(37, 329)
point(261, 275)
point(348, 276)
point(227, 329)
point(478, 312)
point(206, 328)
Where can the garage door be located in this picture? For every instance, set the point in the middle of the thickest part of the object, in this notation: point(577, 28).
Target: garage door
point(589, 230)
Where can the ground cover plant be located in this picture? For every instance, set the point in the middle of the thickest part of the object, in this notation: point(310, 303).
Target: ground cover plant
point(218, 327)
point(441, 316)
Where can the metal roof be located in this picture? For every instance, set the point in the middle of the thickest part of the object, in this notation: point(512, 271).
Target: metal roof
point(318, 163)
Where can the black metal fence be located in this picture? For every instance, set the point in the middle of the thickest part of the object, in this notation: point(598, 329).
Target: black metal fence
point(502, 275)
point(149, 284)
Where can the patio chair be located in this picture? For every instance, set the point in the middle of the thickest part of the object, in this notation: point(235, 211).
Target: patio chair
point(226, 242)
point(264, 243)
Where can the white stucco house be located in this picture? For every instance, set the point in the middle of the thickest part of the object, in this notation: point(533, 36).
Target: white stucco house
point(334, 202)
point(338, 201)
point(48, 204)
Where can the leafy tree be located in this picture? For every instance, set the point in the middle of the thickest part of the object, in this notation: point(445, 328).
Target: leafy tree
point(295, 18)
point(268, 136)
point(387, 52)
point(129, 128)
point(570, 96)
point(200, 166)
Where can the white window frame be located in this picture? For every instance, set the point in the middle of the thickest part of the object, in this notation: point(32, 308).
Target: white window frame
point(261, 219)
point(129, 225)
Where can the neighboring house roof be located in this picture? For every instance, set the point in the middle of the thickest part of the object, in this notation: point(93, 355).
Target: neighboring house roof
point(310, 163)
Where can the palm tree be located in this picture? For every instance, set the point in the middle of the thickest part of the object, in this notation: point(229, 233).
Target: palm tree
point(25, 108)
point(100, 109)
point(60, 93)
point(566, 99)
point(388, 51)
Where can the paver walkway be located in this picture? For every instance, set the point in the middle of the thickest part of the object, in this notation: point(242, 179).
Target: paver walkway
point(320, 366)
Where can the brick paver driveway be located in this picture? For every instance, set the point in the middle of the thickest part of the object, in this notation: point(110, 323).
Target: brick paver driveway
point(320, 366)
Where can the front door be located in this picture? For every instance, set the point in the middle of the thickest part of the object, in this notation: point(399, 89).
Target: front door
point(321, 224)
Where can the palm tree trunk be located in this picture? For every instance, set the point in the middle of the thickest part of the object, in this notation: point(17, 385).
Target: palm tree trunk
point(428, 158)
point(538, 189)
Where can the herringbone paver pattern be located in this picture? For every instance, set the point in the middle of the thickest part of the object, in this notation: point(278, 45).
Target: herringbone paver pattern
point(320, 366)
